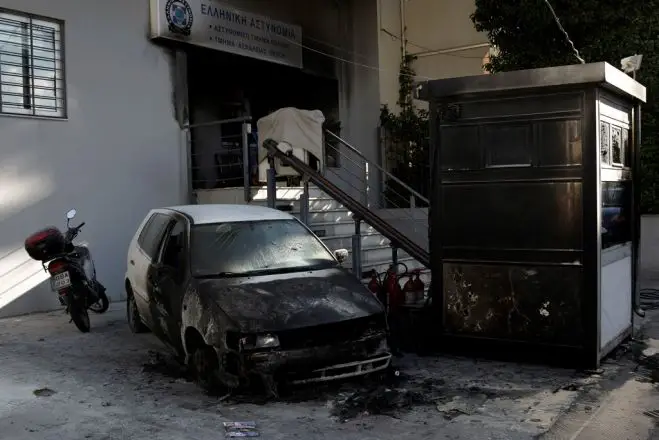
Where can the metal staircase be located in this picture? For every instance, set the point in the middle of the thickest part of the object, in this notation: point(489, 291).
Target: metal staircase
point(351, 203)
point(377, 200)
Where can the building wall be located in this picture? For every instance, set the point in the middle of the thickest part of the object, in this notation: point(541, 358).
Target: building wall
point(430, 26)
point(118, 154)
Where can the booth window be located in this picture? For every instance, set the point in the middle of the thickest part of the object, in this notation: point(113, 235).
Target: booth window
point(616, 145)
point(605, 142)
point(616, 213)
point(31, 66)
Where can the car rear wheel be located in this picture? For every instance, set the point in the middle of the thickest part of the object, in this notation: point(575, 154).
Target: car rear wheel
point(133, 315)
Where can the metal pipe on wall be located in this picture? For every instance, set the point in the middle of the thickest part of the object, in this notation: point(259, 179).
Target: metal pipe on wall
point(403, 40)
point(636, 200)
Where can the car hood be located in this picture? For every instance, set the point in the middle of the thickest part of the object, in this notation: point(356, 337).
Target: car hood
point(289, 301)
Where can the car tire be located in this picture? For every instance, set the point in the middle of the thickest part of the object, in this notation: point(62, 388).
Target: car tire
point(133, 317)
point(204, 366)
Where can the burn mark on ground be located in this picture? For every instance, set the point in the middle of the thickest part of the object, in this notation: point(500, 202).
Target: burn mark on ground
point(391, 393)
point(165, 365)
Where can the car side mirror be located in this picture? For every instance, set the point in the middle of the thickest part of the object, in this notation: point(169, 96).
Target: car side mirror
point(341, 255)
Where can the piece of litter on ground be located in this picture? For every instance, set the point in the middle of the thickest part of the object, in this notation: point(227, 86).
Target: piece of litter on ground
point(44, 392)
point(240, 429)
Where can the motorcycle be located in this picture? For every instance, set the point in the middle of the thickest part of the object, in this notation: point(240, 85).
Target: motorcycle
point(72, 271)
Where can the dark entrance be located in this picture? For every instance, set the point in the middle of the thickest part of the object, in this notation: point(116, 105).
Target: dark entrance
point(223, 87)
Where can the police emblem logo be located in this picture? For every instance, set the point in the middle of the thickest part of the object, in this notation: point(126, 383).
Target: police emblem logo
point(179, 17)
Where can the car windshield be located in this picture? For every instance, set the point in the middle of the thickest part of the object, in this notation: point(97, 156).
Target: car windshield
point(255, 247)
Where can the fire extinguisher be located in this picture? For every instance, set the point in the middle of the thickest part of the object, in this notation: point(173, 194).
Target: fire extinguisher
point(393, 291)
point(419, 286)
point(409, 291)
point(375, 285)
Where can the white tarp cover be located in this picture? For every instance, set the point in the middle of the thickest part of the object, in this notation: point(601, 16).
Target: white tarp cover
point(302, 130)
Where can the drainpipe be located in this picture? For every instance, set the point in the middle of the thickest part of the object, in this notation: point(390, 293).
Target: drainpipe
point(403, 40)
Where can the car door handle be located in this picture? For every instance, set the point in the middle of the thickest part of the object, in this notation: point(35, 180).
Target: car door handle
point(132, 262)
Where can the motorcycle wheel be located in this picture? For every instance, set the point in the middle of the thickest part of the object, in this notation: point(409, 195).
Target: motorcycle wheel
point(100, 306)
point(80, 316)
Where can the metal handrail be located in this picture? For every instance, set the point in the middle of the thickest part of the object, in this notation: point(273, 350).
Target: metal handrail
point(359, 209)
point(385, 172)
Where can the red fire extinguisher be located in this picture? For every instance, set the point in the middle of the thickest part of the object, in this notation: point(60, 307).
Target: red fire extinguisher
point(419, 286)
point(374, 285)
point(392, 288)
point(409, 291)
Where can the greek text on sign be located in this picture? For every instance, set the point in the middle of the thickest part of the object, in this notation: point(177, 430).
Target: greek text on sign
point(214, 25)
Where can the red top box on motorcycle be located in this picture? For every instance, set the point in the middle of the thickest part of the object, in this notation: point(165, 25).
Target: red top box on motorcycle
point(44, 245)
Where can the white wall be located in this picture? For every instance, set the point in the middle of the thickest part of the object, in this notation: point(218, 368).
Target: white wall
point(117, 155)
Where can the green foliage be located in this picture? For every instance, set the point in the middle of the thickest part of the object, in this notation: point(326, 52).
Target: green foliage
point(527, 36)
point(407, 139)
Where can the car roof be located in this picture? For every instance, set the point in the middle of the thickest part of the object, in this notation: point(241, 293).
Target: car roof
point(220, 213)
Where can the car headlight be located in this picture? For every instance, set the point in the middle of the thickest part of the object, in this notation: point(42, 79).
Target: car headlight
point(259, 342)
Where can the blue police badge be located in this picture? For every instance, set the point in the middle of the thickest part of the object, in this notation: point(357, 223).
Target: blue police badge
point(179, 17)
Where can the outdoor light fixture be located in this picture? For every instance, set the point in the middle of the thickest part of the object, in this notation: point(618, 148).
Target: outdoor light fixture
point(631, 64)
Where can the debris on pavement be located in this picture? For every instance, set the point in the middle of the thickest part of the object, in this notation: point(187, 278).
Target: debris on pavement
point(240, 429)
point(568, 387)
point(44, 392)
point(461, 405)
point(378, 401)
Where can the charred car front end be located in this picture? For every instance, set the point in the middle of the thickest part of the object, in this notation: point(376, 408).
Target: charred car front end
point(295, 328)
point(314, 354)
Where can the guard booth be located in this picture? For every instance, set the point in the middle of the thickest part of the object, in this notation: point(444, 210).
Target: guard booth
point(534, 220)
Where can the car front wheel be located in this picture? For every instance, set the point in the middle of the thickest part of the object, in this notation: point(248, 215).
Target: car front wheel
point(205, 366)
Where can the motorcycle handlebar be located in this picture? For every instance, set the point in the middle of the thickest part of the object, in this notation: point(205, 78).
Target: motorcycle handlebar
point(80, 225)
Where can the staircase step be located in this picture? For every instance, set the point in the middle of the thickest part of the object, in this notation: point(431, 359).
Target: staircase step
point(286, 193)
point(318, 204)
point(340, 227)
point(369, 241)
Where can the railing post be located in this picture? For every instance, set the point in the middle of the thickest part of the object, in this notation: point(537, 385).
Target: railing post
point(367, 189)
point(272, 183)
point(304, 201)
point(357, 248)
point(246, 165)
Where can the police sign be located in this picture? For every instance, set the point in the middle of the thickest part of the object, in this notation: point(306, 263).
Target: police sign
point(214, 25)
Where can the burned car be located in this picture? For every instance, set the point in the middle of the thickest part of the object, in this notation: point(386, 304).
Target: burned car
point(244, 292)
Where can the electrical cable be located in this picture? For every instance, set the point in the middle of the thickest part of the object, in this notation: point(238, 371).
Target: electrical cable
point(418, 46)
point(567, 36)
point(649, 299)
point(354, 63)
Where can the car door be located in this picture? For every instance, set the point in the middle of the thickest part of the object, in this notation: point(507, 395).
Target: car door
point(168, 278)
point(148, 244)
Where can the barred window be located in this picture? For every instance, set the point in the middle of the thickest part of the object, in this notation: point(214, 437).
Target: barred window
point(31, 66)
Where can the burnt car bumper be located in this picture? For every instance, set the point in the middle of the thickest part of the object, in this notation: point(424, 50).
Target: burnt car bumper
point(319, 364)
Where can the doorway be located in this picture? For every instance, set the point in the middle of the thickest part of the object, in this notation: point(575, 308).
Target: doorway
point(223, 86)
